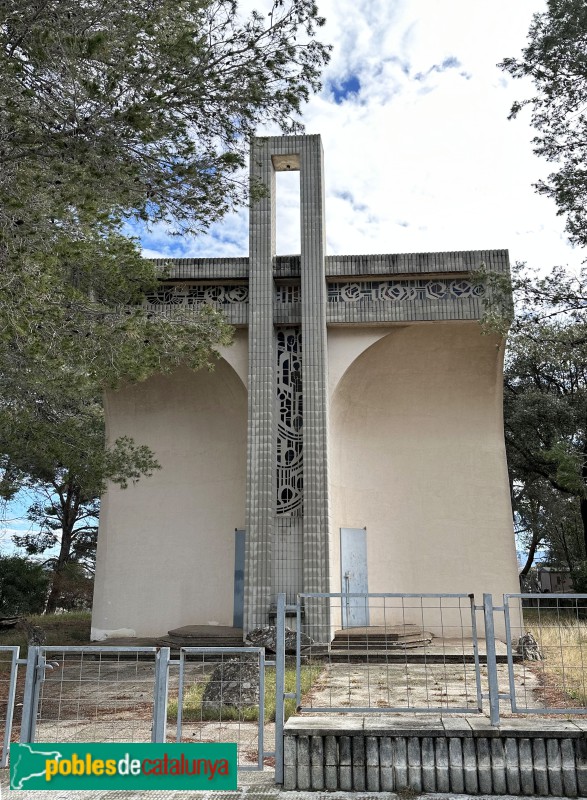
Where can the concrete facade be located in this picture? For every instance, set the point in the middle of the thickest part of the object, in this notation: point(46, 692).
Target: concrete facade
point(359, 393)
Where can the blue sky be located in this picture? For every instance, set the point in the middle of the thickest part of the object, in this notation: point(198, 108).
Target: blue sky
point(419, 153)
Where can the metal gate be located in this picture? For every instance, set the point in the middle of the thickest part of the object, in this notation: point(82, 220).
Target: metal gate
point(373, 669)
point(131, 694)
point(100, 694)
point(221, 694)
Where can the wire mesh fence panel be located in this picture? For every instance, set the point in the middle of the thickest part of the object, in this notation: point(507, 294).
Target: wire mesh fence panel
point(221, 698)
point(411, 653)
point(546, 638)
point(8, 679)
point(95, 694)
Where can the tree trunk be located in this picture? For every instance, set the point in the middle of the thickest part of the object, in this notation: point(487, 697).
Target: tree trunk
point(536, 539)
point(62, 561)
point(583, 506)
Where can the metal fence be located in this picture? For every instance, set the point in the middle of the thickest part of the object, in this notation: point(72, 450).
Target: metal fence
point(547, 653)
point(8, 676)
point(134, 694)
point(412, 652)
point(95, 694)
point(433, 653)
point(221, 697)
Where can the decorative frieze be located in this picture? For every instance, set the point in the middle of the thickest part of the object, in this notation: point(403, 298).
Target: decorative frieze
point(197, 294)
point(403, 291)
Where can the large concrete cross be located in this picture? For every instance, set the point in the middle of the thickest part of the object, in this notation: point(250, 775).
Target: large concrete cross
point(287, 302)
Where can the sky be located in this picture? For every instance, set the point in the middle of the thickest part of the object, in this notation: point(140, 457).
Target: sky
point(419, 153)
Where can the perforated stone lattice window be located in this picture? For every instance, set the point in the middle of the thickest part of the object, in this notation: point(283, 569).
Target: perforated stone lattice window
point(290, 422)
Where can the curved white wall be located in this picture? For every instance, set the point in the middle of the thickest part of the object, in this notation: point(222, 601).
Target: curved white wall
point(166, 544)
point(417, 456)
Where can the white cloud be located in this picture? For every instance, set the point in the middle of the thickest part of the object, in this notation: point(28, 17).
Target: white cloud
point(423, 157)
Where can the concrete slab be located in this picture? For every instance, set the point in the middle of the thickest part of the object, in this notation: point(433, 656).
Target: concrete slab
point(456, 726)
point(325, 725)
point(392, 725)
point(534, 728)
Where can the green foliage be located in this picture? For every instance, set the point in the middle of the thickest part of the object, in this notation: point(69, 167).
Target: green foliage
point(145, 109)
point(23, 586)
point(579, 575)
point(545, 412)
point(555, 59)
point(114, 113)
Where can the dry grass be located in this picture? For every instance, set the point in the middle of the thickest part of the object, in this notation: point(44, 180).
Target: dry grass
point(562, 638)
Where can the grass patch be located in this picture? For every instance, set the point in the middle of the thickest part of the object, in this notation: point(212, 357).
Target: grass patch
point(195, 711)
point(562, 639)
point(71, 628)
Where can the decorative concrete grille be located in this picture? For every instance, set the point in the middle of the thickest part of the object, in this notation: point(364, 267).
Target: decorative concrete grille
point(198, 294)
point(290, 293)
point(403, 291)
point(289, 422)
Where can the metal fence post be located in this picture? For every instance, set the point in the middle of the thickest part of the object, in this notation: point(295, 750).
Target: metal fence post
point(29, 705)
point(159, 731)
point(14, 651)
point(491, 660)
point(279, 686)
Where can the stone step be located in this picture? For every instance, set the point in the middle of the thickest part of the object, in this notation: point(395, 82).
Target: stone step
point(206, 631)
point(380, 643)
point(389, 632)
point(409, 655)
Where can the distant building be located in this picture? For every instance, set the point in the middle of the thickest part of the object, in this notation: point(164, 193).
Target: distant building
point(554, 579)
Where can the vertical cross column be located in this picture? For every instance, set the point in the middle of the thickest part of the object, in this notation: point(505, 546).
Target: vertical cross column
point(302, 153)
point(315, 385)
point(260, 447)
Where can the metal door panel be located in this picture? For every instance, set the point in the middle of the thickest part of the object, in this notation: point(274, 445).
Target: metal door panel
point(354, 579)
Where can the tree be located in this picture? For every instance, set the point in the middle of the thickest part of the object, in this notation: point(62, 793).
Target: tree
point(144, 110)
point(23, 586)
point(556, 61)
point(547, 521)
point(64, 463)
point(114, 113)
point(545, 407)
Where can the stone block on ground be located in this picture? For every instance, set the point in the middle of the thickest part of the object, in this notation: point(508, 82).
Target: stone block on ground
point(267, 636)
point(234, 682)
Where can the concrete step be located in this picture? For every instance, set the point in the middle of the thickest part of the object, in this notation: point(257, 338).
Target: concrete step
point(381, 643)
point(387, 631)
point(409, 655)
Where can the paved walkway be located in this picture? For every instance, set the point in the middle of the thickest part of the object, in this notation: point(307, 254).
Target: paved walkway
point(251, 786)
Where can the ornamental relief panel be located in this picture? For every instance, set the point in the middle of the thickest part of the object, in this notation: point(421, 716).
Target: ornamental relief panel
point(198, 294)
point(289, 422)
point(403, 291)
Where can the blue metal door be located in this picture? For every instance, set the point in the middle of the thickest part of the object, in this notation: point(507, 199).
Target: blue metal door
point(353, 569)
point(239, 578)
